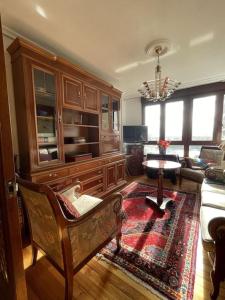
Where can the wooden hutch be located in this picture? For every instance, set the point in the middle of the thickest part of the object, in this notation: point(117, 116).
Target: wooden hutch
point(68, 122)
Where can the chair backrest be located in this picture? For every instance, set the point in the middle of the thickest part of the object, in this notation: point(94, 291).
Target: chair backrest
point(212, 153)
point(41, 207)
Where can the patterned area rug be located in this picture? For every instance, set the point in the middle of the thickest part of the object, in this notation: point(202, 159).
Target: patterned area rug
point(159, 251)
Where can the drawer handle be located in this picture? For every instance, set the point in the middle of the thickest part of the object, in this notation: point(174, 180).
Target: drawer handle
point(99, 172)
point(100, 180)
point(50, 175)
point(55, 174)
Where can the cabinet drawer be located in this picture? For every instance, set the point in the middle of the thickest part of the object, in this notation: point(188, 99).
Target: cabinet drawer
point(85, 167)
point(89, 175)
point(95, 191)
point(51, 175)
point(60, 184)
point(89, 185)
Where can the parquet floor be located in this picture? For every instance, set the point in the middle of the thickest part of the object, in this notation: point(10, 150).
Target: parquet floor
point(100, 280)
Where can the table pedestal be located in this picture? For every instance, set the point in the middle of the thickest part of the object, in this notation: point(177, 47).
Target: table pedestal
point(159, 201)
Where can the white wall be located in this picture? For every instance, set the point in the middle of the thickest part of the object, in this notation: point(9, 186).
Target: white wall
point(131, 111)
point(7, 41)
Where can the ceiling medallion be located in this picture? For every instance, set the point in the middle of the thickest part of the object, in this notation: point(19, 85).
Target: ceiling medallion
point(160, 88)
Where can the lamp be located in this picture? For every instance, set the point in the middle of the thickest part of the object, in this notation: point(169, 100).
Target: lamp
point(160, 88)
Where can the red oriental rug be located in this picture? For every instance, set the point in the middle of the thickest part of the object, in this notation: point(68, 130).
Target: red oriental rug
point(159, 251)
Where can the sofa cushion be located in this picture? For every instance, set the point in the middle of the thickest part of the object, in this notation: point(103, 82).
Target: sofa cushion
point(216, 200)
point(210, 186)
point(194, 175)
point(206, 215)
point(74, 205)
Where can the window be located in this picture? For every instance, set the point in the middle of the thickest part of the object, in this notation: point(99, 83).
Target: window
point(176, 149)
point(194, 151)
point(203, 118)
point(152, 120)
point(174, 121)
point(151, 149)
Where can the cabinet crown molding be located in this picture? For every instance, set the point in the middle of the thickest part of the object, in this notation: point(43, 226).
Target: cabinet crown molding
point(21, 44)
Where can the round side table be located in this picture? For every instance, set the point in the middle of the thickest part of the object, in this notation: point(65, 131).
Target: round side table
point(160, 165)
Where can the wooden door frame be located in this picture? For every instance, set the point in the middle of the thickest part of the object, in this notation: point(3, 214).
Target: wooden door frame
point(8, 201)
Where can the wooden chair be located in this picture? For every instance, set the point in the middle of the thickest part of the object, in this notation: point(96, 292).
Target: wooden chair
point(69, 244)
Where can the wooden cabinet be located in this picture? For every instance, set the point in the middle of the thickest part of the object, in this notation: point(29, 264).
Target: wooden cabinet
point(67, 118)
point(72, 93)
point(91, 100)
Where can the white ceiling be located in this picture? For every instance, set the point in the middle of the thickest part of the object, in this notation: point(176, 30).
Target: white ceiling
point(108, 37)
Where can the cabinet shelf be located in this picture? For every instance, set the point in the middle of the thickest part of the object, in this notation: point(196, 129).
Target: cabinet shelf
point(79, 144)
point(47, 144)
point(80, 125)
point(45, 117)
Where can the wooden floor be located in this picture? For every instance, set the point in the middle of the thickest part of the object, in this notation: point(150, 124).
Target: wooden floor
point(100, 280)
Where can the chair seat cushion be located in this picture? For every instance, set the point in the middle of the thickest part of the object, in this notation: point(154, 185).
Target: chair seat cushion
point(206, 215)
point(75, 206)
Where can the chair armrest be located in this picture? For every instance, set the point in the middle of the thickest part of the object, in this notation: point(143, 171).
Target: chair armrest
point(115, 199)
point(217, 229)
point(94, 229)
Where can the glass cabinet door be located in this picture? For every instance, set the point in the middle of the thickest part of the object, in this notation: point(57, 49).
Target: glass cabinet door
point(115, 115)
point(46, 108)
point(105, 112)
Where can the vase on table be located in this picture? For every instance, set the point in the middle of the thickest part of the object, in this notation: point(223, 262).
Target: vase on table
point(162, 150)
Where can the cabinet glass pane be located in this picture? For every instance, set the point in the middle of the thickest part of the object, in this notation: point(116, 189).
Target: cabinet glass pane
point(105, 112)
point(45, 98)
point(174, 121)
point(203, 118)
point(115, 114)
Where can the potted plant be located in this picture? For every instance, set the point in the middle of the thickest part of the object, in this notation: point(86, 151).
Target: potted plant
point(163, 145)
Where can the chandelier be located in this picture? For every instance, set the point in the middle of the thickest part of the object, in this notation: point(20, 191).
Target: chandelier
point(160, 88)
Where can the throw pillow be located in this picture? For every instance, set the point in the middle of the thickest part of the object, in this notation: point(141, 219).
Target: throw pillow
point(66, 200)
point(215, 174)
point(200, 163)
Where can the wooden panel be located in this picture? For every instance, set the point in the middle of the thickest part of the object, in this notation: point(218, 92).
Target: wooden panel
point(91, 100)
point(110, 176)
point(72, 89)
point(120, 171)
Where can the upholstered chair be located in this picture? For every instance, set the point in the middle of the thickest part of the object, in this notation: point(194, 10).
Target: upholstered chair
point(69, 243)
point(196, 171)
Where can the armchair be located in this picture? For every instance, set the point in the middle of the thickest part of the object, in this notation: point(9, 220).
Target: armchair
point(196, 171)
point(69, 243)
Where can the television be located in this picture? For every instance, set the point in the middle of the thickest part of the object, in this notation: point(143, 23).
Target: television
point(135, 134)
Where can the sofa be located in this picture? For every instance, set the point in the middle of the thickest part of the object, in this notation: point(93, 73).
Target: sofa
point(212, 221)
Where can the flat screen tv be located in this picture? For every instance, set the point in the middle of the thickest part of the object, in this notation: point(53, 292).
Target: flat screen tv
point(135, 134)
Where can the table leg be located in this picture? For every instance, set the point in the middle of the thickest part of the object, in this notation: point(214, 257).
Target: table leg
point(159, 201)
point(160, 187)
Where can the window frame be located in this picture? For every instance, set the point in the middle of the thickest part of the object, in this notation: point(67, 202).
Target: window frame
point(187, 95)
